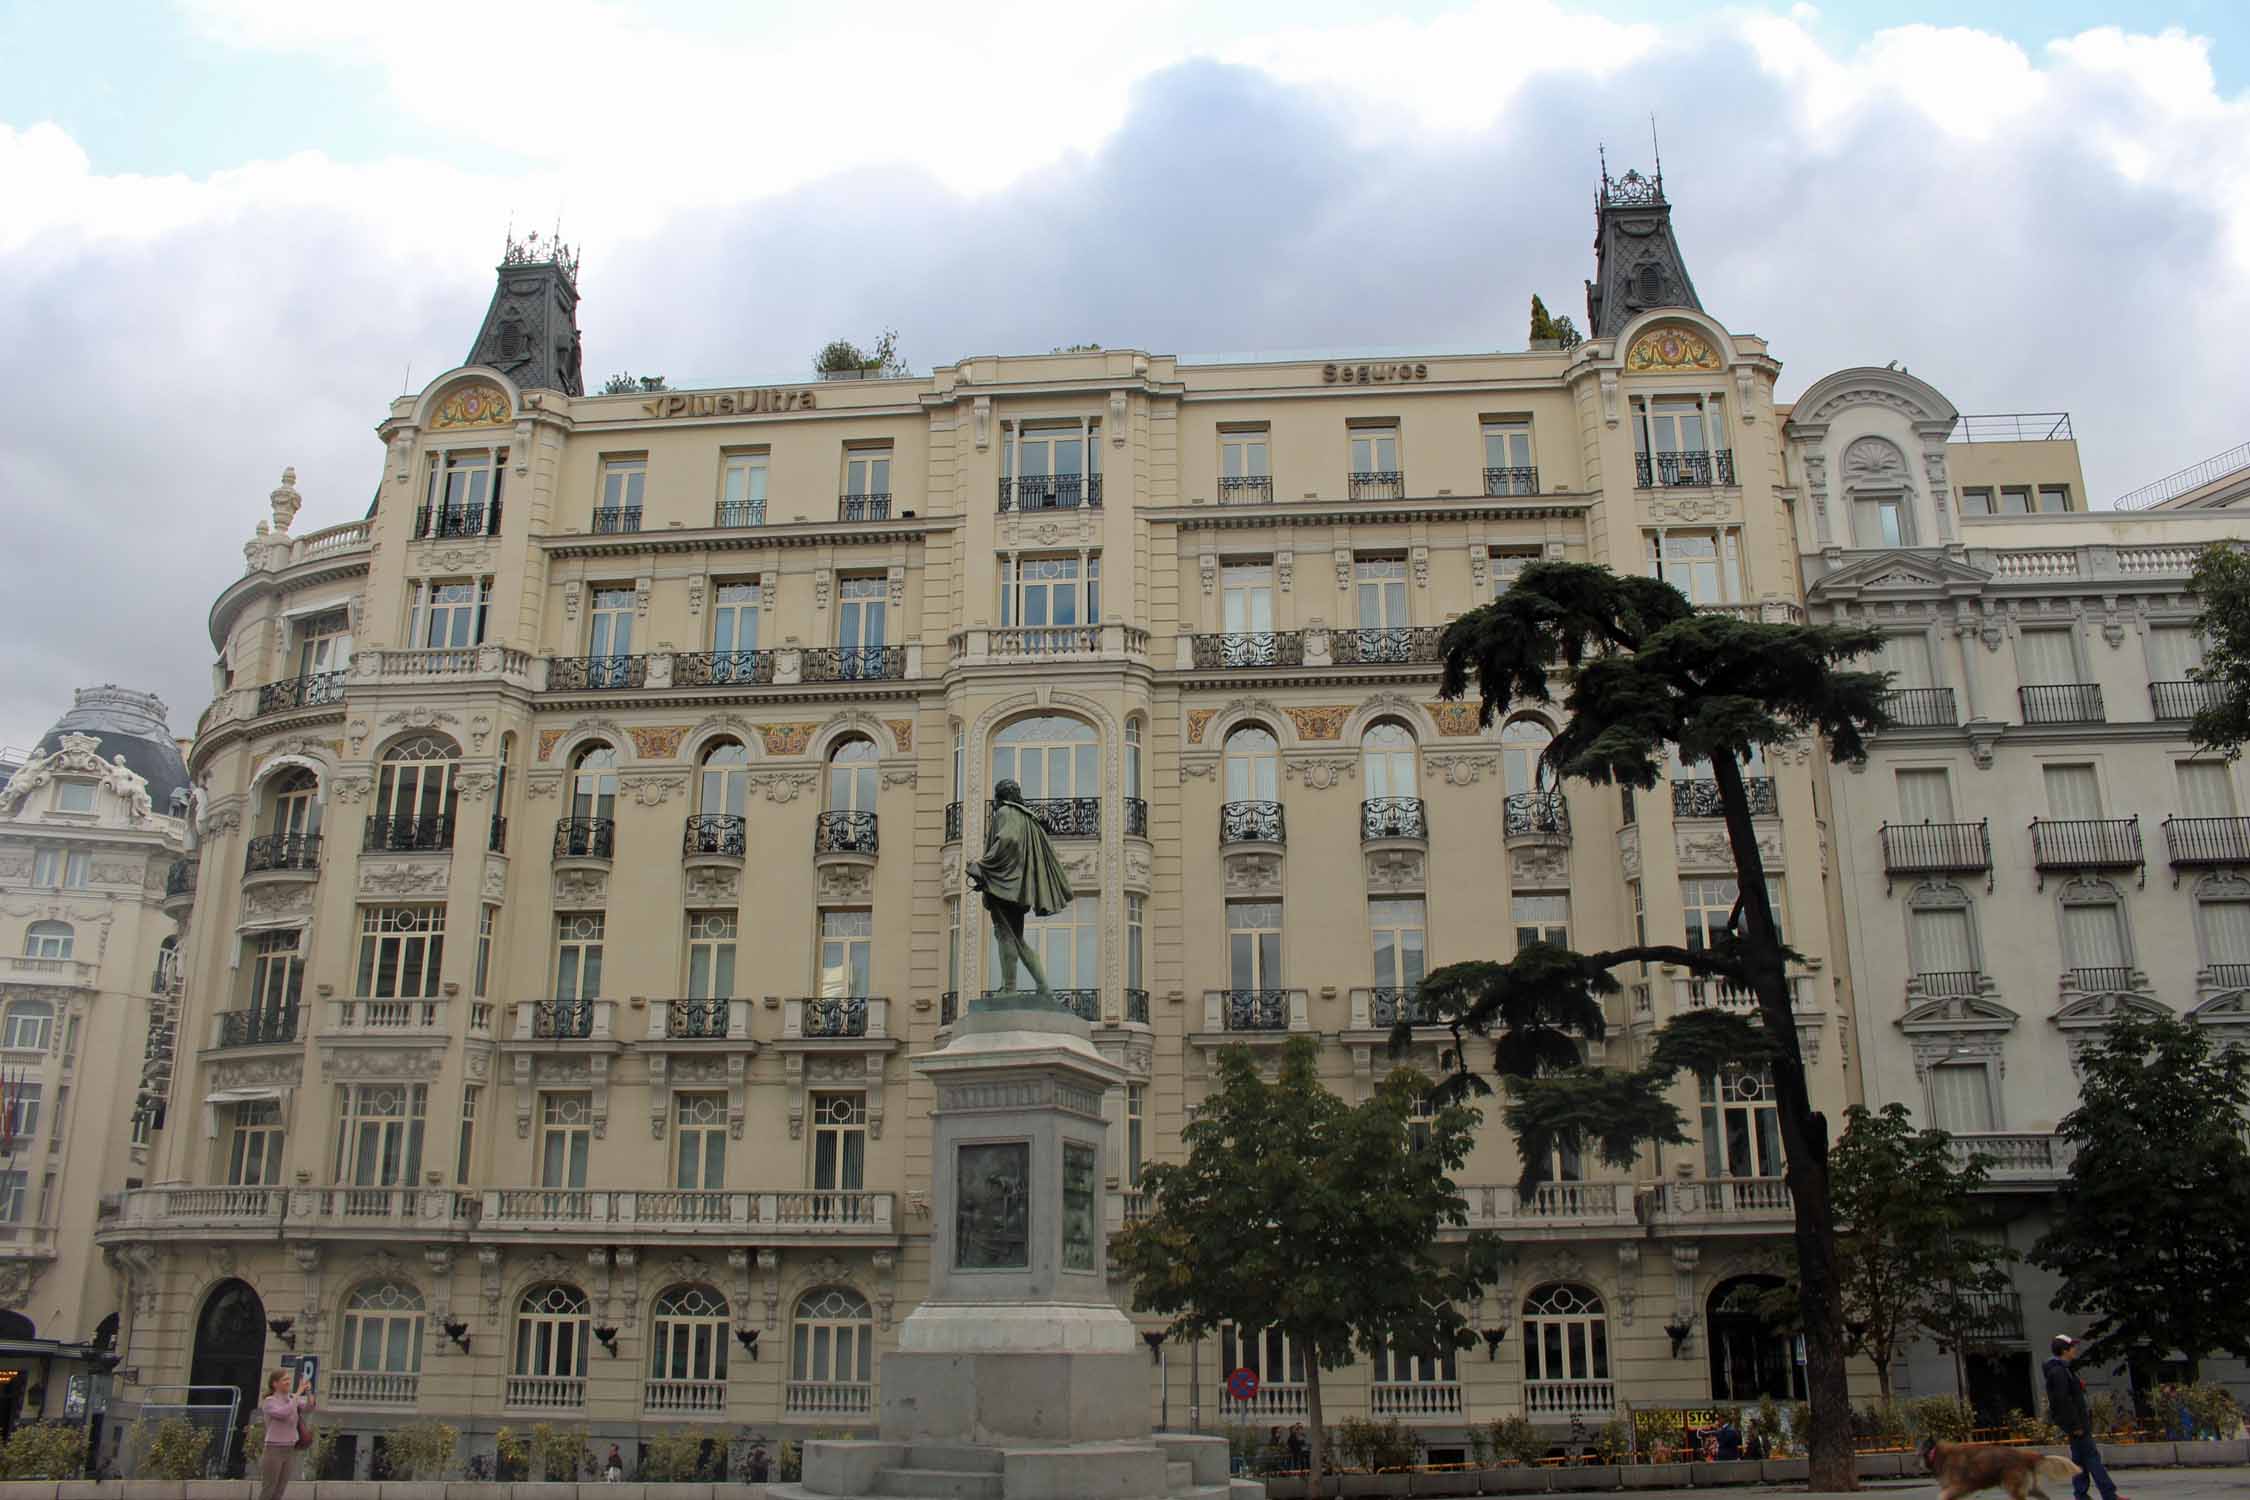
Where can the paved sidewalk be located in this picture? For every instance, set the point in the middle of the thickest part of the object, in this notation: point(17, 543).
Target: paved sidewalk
point(2132, 1484)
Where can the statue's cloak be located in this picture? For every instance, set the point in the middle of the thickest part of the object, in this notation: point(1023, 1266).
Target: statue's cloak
point(1019, 864)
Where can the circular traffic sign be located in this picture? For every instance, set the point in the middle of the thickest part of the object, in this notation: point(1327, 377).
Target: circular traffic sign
point(1242, 1384)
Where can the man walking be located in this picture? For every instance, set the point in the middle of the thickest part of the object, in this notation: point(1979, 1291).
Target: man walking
point(2067, 1409)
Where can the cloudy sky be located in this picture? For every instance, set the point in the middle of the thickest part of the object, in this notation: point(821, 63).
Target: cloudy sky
point(234, 229)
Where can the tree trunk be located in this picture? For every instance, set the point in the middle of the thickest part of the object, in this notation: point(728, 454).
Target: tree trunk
point(1318, 1436)
point(1804, 1143)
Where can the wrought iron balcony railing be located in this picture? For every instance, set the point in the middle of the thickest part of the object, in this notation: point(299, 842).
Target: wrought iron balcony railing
point(457, 520)
point(739, 513)
point(2207, 841)
point(2102, 979)
point(1663, 470)
point(952, 822)
point(844, 833)
point(1251, 823)
point(2181, 700)
point(609, 519)
point(562, 1020)
point(715, 833)
point(258, 1027)
point(1698, 797)
point(571, 673)
point(697, 1020)
point(720, 668)
point(397, 835)
point(2231, 976)
point(1387, 1005)
point(1062, 817)
point(281, 851)
point(2086, 843)
point(854, 663)
point(1086, 1005)
point(1921, 708)
point(1136, 1006)
point(836, 1015)
point(1246, 489)
point(1990, 1317)
point(1259, 648)
point(1936, 848)
point(1254, 1010)
point(179, 878)
point(585, 838)
point(2061, 702)
point(313, 690)
point(498, 841)
point(1384, 646)
point(1051, 492)
point(1534, 813)
point(871, 507)
point(1392, 818)
point(1136, 817)
point(1519, 479)
point(1376, 484)
point(1949, 984)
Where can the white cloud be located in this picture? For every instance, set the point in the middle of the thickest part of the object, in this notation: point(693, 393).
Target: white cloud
point(2023, 227)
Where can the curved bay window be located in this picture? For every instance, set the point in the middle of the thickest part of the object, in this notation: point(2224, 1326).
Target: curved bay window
point(687, 1366)
point(379, 1360)
point(1565, 1351)
point(1068, 943)
point(831, 1355)
point(415, 794)
point(552, 1327)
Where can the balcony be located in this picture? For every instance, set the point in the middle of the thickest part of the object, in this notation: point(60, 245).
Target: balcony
point(1415, 1400)
point(1275, 1401)
point(496, 838)
point(1670, 470)
point(714, 839)
point(739, 513)
point(1255, 1011)
point(381, 666)
point(2181, 700)
point(281, 854)
point(1556, 1204)
point(1699, 797)
point(563, 1020)
point(1261, 648)
point(567, 674)
point(1700, 992)
point(435, 522)
point(699, 1020)
point(1383, 1006)
point(267, 1027)
point(1536, 818)
point(871, 507)
point(828, 1400)
point(380, 1389)
point(722, 669)
point(589, 839)
point(547, 1392)
point(1136, 1002)
point(385, 1020)
point(1715, 1201)
point(1517, 479)
point(2195, 842)
point(1051, 492)
point(845, 833)
point(1062, 817)
point(612, 520)
point(953, 822)
point(826, 1017)
point(1944, 984)
point(228, 1211)
point(409, 834)
point(1252, 823)
point(75, 972)
point(1991, 1318)
point(2015, 1159)
point(313, 690)
point(1246, 489)
point(1921, 708)
point(811, 1215)
point(1376, 484)
point(1393, 646)
point(684, 1398)
point(1382, 818)
point(2061, 702)
point(2086, 843)
point(853, 663)
point(2105, 979)
point(179, 885)
point(1936, 848)
point(381, 1209)
point(1561, 1400)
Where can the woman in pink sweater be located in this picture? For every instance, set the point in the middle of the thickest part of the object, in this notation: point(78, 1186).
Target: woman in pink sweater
point(284, 1413)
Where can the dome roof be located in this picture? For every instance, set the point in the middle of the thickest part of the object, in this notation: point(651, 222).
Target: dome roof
point(129, 724)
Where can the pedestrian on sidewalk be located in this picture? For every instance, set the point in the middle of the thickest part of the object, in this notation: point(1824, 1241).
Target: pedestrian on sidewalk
point(2067, 1409)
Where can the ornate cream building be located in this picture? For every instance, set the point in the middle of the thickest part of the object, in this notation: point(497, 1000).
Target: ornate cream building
point(580, 840)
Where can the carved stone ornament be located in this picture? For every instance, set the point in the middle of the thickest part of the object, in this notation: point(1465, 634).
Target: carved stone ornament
point(256, 1072)
point(1320, 773)
point(1539, 866)
point(270, 903)
point(1671, 349)
point(78, 755)
point(405, 877)
point(475, 403)
point(783, 786)
point(1253, 874)
point(1875, 462)
point(714, 885)
point(17, 1277)
point(654, 791)
point(1459, 768)
point(844, 884)
point(582, 887)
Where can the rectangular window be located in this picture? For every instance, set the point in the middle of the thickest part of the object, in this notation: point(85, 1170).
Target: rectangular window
point(2094, 943)
point(1709, 902)
point(953, 945)
point(23, 1111)
point(2225, 928)
point(742, 490)
point(699, 1127)
point(710, 973)
point(1068, 943)
point(1907, 659)
point(2174, 652)
point(734, 615)
point(30, 1026)
point(14, 1186)
point(471, 1095)
point(1136, 1125)
point(610, 621)
point(1050, 591)
point(74, 796)
point(1401, 942)
point(862, 616)
point(487, 919)
point(1925, 795)
point(57, 869)
point(1245, 471)
point(839, 1142)
point(1671, 425)
point(2206, 788)
point(2046, 657)
point(1976, 500)
point(1937, 940)
point(579, 939)
point(379, 1134)
point(460, 483)
point(1508, 564)
point(2054, 499)
point(624, 480)
point(1741, 1125)
point(566, 1138)
point(1961, 1097)
point(448, 613)
point(1246, 597)
point(324, 643)
point(867, 471)
point(2015, 500)
point(254, 1145)
point(1379, 583)
point(2072, 792)
point(847, 951)
point(277, 972)
point(1374, 459)
point(1136, 940)
point(1507, 458)
point(1540, 918)
point(47, 868)
point(401, 951)
point(1883, 521)
point(1704, 565)
point(1254, 945)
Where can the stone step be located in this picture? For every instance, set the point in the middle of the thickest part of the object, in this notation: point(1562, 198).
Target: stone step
point(1178, 1476)
point(960, 1457)
point(940, 1484)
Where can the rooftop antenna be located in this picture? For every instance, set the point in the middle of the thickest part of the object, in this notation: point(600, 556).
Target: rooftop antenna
point(1657, 152)
point(406, 381)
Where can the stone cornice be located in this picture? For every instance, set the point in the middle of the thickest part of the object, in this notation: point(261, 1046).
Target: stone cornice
point(747, 538)
point(1293, 513)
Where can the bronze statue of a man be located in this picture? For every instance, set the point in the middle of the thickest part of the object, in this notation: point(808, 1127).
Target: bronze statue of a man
point(1019, 873)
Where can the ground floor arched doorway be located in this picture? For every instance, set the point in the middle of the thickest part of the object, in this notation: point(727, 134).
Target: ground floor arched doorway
point(230, 1350)
point(1750, 1358)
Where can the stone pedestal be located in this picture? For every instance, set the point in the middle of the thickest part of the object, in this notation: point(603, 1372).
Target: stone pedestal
point(1018, 1377)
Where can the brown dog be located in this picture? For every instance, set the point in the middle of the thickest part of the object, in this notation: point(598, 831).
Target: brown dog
point(1965, 1468)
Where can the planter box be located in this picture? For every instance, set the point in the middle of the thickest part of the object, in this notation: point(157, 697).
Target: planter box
point(1583, 1477)
point(44, 1489)
point(463, 1489)
point(2205, 1451)
point(1288, 1487)
point(340, 1489)
point(1449, 1482)
point(1733, 1471)
point(1656, 1476)
point(1785, 1470)
point(222, 1489)
point(2139, 1455)
point(1883, 1465)
point(1512, 1481)
point(1370, 1484)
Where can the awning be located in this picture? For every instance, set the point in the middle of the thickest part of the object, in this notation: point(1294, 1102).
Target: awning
point(240, 1096)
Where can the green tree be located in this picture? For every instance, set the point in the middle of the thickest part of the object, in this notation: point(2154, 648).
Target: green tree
point(2150, 1237)
point(1296, 1211)
point(1560, 329)
point(1649, 675)
point(628, 385)
point(2222, 581)
point(843, 357)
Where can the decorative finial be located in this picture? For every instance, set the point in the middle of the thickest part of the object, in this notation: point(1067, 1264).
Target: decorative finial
point(286, 502)
point(531, 250)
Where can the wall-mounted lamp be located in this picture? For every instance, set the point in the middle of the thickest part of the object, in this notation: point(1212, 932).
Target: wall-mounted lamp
point(1154, 1338)
point(608, 1337)
point(748, 1339)
point(459, 1333)
point(1678, 1334)
point(1493, 1339)
point(281, 1328)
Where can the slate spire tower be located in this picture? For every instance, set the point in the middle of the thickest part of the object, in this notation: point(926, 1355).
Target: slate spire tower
point(1637, 262)
point(530, 331)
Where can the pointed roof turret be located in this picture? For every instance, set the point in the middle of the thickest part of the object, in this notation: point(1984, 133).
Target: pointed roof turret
point(1637, 262)
point(530, 331)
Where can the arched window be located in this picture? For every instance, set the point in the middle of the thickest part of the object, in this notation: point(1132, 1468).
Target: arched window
point(687, 1363)
point(296, 804)
point(30, 1026)
point(831, 1354)
point(48, 940)
point(1565, 1338)
point(414, 795)
point(1049, 755)
point(1387, 753)
point(551, 1333)
point(593, 782)
point(851, 776)
point(382, 1342)
point(1522, 743)
point(1253, 761)
point(725, 791)
point(1741, 1124)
